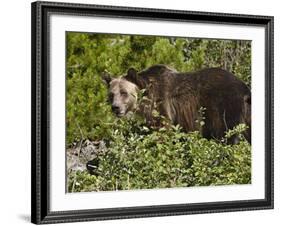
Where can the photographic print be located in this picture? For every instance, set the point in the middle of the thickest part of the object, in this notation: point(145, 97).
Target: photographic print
point(141, 112)
point(146, 112)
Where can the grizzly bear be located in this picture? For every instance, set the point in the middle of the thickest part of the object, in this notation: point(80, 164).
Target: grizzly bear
point(178, 96)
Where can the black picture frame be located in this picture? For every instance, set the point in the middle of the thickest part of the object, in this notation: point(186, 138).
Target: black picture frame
point(40, 208)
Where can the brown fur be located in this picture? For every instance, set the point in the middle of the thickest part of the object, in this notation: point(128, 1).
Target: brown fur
point(178, 96)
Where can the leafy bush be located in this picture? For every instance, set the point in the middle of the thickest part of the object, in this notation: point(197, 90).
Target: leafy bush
point(139, 157)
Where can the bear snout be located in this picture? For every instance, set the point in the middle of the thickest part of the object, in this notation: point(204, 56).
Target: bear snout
point(115, 109)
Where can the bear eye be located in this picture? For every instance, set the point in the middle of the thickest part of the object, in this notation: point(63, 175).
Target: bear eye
point(110, 96)
point(124, 93)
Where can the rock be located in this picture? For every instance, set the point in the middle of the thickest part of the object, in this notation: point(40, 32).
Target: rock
point(83, 154)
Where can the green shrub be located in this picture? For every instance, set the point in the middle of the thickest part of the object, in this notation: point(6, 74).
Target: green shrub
point(139, 157)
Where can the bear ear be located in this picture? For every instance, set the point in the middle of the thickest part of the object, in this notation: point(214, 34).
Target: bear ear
point(132, 74)
point(247, 99)
point(106, 78)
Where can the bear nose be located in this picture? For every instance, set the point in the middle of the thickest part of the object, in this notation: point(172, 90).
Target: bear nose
point(115, 108)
